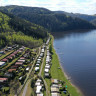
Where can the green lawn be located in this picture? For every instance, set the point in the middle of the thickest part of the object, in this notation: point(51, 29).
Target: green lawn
point(57, 73)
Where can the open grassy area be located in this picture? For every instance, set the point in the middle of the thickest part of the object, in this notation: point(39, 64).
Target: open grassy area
point(57, 73)
point(29, 89)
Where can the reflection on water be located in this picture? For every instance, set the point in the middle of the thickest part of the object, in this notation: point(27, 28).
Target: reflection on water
point(77, 53)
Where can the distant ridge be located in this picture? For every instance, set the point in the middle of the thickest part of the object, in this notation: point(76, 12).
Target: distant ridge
point(53, 21)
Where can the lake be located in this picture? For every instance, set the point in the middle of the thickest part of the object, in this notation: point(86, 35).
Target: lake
point(77, 54)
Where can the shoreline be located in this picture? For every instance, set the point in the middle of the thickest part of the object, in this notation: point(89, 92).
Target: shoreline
point(65, 76)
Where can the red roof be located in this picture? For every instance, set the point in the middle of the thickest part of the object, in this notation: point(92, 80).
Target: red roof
point(4, 79)
point(4, 60)
point(10, 70)
point(9, 57)
point(15, 52)
point(14, 66)
point(12, 55)
point(18, 63)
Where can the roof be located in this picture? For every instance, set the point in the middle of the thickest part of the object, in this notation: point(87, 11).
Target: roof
point(13, 55)
point(47, 66)
point(10, 70)
point(37, 83)
point(55, 85)
point(14, 66)
point(38, 89)
point(18, 63)
point(39, 80)
point(2, 63)
point(1, 52)
point(21, 60)
point(47, 70)
point(39, 59)
point(4, 60)
point(9, 57)
point(37, 64)
point(55, 94)
point(41, 94)
point(27, 68)
point(46, 74)
point(36, 68)
point(54, 81)
point(3, 79)
point(54, 89)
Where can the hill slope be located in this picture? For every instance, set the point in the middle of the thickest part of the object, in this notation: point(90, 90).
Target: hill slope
point(16, 30)
point(53, 21)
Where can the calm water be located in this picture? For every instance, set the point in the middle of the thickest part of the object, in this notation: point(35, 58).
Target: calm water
point(77, 53)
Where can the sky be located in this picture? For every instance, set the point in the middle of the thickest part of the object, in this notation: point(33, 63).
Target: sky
point(74, 6)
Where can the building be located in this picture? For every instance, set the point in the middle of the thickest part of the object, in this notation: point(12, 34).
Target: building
point(11, 70)
point(46, 70)
point(27, 69)
point(54, 89)
point(54, 81)
point(19, 63)
point(2, 63)
point(21, 60)
point(41, 94)
point(1, 52)
point(3, 80)
point(4, 60)
point(36, 69)
point(55, 94)
point(38, 89)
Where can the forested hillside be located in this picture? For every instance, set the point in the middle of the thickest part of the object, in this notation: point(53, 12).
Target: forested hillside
point(94, 22)
point(16, 30)
point(90, 18)
point(51, 20)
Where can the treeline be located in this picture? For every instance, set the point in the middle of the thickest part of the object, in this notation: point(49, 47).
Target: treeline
point(2, 41)
point(19, 38)
point(51, 20)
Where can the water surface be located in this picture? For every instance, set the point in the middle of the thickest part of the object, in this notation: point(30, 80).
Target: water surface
point(77, 53)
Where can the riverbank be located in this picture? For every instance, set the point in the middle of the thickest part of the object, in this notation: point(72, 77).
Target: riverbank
point(57, 72)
